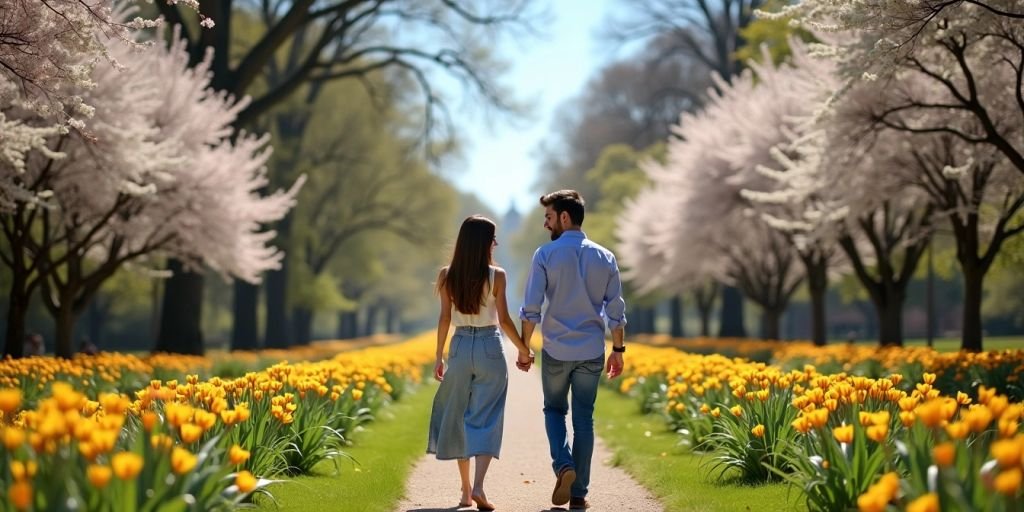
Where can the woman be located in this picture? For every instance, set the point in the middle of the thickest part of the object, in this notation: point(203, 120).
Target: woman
point(469, 407)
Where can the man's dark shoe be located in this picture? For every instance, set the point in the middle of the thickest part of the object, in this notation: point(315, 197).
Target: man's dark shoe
point(578, 504)
point(560, 496)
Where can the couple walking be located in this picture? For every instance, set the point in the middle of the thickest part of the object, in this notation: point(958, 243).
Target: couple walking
point(579, 280)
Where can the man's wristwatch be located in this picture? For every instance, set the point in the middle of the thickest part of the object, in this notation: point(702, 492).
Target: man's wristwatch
point(619, 349)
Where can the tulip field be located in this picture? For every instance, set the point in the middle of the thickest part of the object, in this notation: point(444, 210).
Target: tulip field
point(849, 427)
point(116, 432)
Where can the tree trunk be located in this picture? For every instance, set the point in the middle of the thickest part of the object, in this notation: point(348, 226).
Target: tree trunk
point(96, 318)
point(816, 269)
point(391, 322)
point(244, 327)
point(971, 337)
point(770, 324)
point(17, 311)
point(704, 297)
point(302, 320)
point(347, 325)
point(732, 314)
point(371, 321)
point(890, 319)
point(278, 332)
point(182, 311)
point(65, 319)
point(154, 310)
point(675, 313)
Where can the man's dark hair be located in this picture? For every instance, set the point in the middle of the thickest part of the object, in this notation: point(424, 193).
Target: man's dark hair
point(568, 201)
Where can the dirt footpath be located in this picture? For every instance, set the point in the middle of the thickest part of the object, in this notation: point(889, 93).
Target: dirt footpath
point(522, 479)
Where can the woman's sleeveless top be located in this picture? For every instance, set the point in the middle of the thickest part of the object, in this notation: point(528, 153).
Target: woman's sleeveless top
point(488, 314)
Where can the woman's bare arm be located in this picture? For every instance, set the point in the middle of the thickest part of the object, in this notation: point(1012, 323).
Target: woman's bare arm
point(504, 320)
point(444, 322)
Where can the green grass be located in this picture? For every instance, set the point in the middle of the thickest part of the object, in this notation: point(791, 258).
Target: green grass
point(670, 470)
point(988, 343)
point(384, 453)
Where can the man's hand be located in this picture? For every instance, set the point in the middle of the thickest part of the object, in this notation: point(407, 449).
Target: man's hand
point(614, 366)
point(439, 370)
point(524, 361)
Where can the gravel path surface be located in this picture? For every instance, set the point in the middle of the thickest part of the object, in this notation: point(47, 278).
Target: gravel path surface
point(522, 479)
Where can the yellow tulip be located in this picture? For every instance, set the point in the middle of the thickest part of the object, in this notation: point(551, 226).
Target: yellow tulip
point(10, 401)
point(13, 437)
point(926, 503)
point(191, 433)
point(1007, 452)
point(127, 465)
point(245, 482)
point(944, 454)
point(843, 434)
point(20, 494)
point(237, 455)
point(758, 430)
point(1008, 481)
point(182, 460)
point(99, 475)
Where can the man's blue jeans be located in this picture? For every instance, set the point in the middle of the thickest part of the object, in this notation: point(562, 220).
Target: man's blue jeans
point(558, 379)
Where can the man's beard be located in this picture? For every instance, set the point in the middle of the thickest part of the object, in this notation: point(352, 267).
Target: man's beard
point(556, 232)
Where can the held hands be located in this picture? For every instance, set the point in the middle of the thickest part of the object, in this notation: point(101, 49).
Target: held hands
point(524, 361)
point(439, 370)
point(614, 366)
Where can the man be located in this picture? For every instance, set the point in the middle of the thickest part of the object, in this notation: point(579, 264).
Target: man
point(580, 281)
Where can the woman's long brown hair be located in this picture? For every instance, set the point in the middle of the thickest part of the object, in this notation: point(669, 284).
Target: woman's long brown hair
point(467, 277)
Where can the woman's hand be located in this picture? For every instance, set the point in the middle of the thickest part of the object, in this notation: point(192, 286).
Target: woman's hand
point(439, 370)
point(524, 360)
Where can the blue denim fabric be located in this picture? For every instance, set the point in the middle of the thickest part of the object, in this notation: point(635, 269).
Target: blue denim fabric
point(558, 378)
point(468, 414)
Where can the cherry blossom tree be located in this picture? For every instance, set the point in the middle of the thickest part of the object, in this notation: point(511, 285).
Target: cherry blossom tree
point(424, 43)
point(909, 175)
point(887, 225)
point(160, 173)
point(969, 51)
point(798, 204)
point(706, 227)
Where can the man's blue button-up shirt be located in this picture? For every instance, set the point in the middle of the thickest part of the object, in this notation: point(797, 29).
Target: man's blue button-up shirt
point(579, 279)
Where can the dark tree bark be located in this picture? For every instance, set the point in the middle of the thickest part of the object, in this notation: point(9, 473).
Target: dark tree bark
point(370, 327)
point(770, 323)
point(302, 319)
point(17, 310)
point(244, 332)
point(675, 312)
point(278, 332)
point(816, 271)
point(962, 204)
point(392, 320)
point(704, 298)
point(886, 282)
point(731, 325)
point(348, 325)
point(180, 330)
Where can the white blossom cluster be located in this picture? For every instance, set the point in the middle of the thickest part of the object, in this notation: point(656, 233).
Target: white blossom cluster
point(904, 113)
point(159, 169)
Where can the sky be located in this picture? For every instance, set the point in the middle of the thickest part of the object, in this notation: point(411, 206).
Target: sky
point(501, 160)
